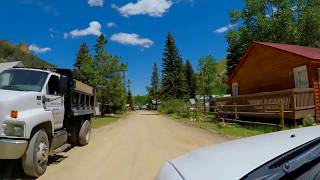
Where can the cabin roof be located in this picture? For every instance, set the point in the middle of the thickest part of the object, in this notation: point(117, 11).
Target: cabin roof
point(308, 52)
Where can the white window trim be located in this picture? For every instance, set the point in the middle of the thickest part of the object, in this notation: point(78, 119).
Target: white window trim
point(296, 70)
point(235, 89)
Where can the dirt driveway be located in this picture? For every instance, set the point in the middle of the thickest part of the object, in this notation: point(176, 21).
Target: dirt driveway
point(130, 149)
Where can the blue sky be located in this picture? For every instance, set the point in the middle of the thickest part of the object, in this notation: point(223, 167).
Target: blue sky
point(136, 29)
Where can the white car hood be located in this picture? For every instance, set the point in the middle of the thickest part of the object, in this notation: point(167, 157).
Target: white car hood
point(235, 159)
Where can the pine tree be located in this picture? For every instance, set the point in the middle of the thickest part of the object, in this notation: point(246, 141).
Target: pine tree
point(109, 78)
point(232, 60)
point(83, 57)
point(180, 80)
point(190, 80)
point(154, 88)
point(173, 80)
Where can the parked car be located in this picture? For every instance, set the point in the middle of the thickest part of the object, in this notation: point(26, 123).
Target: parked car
point(292, 154)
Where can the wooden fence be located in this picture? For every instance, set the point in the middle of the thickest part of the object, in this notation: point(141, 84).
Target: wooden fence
point(291, 104)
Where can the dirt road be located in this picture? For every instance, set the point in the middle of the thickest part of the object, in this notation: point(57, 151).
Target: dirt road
point(130, 149)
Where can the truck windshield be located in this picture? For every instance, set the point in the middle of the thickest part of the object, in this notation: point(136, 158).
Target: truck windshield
point(22, 80)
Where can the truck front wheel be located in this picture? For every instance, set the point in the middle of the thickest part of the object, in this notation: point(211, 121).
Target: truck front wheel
point(34, 161)
point(85, 133)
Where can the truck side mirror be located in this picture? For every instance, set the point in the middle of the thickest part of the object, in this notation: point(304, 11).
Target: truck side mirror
point(63, 85)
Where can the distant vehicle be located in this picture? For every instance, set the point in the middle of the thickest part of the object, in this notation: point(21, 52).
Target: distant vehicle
point(42, 113)
point(144, 107)
point(293, 154)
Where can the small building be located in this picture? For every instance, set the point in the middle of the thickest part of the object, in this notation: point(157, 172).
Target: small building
point(8, 65)
point(270, 73)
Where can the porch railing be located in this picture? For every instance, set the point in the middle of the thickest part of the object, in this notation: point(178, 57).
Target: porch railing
point(292, 104)
point(292, 99)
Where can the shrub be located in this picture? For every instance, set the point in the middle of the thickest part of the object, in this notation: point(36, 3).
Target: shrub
point(308, 121)
point(175, 106)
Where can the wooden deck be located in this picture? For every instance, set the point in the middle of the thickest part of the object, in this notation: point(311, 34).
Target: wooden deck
point(292, 103)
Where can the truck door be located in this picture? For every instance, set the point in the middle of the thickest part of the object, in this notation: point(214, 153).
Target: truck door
point(55, 102)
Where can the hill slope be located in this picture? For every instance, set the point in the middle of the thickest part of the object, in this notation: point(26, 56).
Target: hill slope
point(221, 67)
point(10, 52)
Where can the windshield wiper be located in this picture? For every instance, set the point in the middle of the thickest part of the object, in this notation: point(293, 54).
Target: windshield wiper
point(301, 160)
point(287, 163)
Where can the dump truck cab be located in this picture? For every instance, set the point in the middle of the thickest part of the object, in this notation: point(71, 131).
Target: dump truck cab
point(42, 112)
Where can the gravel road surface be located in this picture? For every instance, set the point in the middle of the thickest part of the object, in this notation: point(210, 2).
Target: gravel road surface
point(130, 149)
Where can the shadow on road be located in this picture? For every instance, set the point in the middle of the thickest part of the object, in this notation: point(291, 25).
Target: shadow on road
point(56, 159)
point(156, 114)
point(12, 169)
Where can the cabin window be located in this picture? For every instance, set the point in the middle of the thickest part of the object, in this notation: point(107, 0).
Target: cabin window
point(235, 89)
point(318, 70)
point(301, 77)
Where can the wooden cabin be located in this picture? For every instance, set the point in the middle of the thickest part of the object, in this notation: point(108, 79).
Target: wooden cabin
point(271, 74)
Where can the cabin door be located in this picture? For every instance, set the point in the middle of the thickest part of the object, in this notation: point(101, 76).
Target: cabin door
point(301, 77)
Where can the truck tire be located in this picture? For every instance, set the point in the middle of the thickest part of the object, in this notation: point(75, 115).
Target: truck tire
point(74, 135)
point(34, 161)
point(85, 133)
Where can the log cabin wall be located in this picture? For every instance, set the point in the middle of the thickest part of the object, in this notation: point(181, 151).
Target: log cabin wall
point(267, 69)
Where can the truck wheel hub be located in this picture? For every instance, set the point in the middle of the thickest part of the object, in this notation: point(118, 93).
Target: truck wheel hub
point(42, 154)
point(88, 136)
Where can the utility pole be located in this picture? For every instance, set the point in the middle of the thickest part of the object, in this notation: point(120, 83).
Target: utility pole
point(128, 85)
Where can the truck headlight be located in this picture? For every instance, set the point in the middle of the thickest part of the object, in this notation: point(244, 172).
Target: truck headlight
point(13, 129)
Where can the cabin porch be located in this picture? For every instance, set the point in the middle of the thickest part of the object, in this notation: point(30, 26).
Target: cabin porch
point(292, 104)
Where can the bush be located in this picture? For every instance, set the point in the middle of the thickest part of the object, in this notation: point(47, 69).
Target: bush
point(175, 106)
point(308, 121)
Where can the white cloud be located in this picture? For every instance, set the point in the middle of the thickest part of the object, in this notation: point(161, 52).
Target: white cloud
point(155, 8)
point(111, 24)
point(225, 28)
point(93, 29)
point(131, 39)
point(35, 48)
point(95, 3)
point(52, 32)
point(41, 4)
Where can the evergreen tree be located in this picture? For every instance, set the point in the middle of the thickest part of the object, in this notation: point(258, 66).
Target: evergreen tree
point(154, 89)
point(83, 58)
point(232, 60)
point(190, 80)
point(173, 80)
point(105, 73)
point(180, 80)
point(109, 78)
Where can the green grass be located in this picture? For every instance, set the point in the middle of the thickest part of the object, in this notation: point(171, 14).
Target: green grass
point(226, 129)
point(99, 122)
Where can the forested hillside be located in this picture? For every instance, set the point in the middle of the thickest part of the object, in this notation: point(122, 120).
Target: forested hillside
point(11, 52)
point(221, 67)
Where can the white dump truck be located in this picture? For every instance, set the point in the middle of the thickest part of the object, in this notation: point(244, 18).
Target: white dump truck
point(42, 112)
